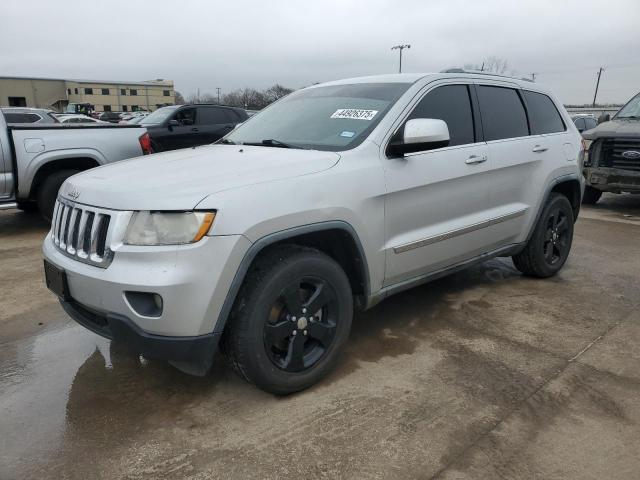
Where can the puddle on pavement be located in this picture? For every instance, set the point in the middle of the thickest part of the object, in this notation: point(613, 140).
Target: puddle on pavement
point(68, 382)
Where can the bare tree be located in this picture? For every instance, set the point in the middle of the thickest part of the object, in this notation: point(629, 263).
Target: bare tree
point(490, 65)
point(208, 98)
point(276, 92)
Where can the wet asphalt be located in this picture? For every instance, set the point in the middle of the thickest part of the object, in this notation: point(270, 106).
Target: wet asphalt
point(483, 374)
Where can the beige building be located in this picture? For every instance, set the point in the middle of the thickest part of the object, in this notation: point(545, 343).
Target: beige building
point(103, 95)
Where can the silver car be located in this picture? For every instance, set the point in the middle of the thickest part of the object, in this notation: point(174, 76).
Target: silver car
point(330, 199)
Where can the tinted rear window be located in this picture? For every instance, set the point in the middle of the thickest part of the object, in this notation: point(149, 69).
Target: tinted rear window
point(503, 114)
point(543, 114)
point(450, 103)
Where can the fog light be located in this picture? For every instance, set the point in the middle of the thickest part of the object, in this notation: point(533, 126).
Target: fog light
point(145, 304)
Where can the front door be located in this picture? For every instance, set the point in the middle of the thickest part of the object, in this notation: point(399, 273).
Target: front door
point(183, 134)
point(437, 206)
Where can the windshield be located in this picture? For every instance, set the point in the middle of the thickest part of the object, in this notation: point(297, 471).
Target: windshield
point(329, 118)
point(631, 109)
point(158, 116)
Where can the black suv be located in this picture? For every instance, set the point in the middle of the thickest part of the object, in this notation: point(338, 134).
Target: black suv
point(182, 126)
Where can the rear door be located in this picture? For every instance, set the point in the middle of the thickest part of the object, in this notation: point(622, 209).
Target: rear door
point(521, 142)
point(214, 123)
point(436, 205)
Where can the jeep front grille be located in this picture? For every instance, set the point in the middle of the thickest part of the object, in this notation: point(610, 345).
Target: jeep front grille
point(81, 232)
point(612, 153)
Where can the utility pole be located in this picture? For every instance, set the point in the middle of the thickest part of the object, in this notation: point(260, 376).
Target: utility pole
point(218, 89)
point(597, 85)
point(198, 95)
point(400, 48)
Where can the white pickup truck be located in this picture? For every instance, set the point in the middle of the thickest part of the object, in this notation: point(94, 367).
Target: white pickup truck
point(36, 159)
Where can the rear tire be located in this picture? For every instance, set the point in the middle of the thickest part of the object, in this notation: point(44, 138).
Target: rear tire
point(591, 195)
point(48, 192)
point(290, 321)
point(549, 246)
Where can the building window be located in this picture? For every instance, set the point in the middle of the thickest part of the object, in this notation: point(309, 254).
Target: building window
point(75, 90)
point(124, 108)
point(106, 108)
point(134, 108)
point(105, 91)
point(88, 91)
point(123, 91)
point(68, 91)
point(133, 92)
point(17, 102)
point(166, 93)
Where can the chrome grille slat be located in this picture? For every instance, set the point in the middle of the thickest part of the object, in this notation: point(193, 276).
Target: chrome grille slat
point(81, 232)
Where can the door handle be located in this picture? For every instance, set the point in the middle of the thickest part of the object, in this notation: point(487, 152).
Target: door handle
point(539, 149)
point(194, 129)
point(228, 126)
point(475, 159)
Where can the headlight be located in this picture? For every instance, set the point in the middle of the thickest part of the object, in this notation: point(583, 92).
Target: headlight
point(168, 228)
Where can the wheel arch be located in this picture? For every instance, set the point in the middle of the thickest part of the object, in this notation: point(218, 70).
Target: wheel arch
point(337, 239)
point(51, 166)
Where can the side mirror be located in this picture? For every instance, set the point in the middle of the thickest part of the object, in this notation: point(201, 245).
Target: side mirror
point(604, 118)
point(174, 123)
point(420, 134)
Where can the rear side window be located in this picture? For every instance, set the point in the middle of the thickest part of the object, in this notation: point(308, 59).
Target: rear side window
point(503, 114)
point(450, 103)
point(21, 117)
point(213, 116)
point(543, 114)
point(590, 123)
point(580, 124)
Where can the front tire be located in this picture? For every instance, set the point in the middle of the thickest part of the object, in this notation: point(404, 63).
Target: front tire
point(549, 246)
point(291, 320)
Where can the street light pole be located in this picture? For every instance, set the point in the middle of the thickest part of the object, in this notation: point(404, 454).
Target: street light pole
point(218, 89)
point(400, 48)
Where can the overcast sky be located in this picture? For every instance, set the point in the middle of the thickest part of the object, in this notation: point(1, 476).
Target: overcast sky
point(256, 43)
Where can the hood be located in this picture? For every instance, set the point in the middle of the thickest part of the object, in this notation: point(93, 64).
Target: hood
point(180, 179)
point(614, 128)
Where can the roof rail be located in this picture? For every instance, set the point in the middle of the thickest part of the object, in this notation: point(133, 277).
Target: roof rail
point(481, 72)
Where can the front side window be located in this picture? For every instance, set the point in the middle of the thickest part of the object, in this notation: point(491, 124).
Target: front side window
point(543, 114)
point(503, 115)
point(330, 118)
point(452, 104)
point(186, 116)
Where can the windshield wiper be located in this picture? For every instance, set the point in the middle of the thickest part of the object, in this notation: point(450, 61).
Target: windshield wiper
point(225, 141)
point(634, 117)
point(272, 142)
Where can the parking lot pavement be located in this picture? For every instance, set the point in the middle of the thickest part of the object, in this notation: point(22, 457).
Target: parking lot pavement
point(484, 374)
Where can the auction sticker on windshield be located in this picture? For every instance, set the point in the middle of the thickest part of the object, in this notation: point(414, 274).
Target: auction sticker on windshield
point(354, 113)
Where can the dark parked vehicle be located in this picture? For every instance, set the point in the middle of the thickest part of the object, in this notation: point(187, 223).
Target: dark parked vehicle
point(613, 163)
point(111, 117)
point(182, 126)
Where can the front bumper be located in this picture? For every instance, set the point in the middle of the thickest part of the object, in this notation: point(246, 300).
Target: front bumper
point(121, 329)
point(612, 179)
point(193, 281)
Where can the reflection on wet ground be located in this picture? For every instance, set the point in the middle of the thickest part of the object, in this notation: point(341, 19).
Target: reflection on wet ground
point(426, 376)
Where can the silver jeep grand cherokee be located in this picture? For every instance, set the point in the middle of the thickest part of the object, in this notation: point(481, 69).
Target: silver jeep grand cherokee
point(336, 196)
